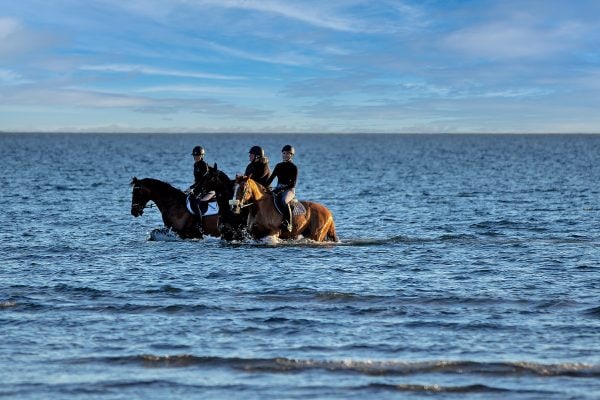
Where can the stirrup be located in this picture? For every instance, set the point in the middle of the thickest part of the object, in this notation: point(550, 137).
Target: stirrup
point(286, 226)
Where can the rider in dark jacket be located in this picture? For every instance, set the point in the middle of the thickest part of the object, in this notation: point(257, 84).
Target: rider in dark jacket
point(200, 171)
point(286, 173)
point(258, 168)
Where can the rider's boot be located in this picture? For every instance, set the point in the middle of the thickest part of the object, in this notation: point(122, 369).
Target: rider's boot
point(199, 220)
point(286, 223)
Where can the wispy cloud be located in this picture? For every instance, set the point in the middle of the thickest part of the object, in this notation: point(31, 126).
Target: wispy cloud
point(8, 77)
point(289, 58)
point(146, 70)
point(311, 13)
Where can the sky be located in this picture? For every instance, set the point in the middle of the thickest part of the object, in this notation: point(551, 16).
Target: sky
point(275, 66)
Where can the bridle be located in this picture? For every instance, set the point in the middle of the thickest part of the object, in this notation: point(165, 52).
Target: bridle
point(240, 203)
point(137, 205)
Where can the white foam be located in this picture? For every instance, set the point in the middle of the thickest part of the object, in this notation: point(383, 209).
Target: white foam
point(163, 235)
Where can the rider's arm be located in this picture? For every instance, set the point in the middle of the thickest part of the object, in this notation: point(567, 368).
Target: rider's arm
point(273, 175)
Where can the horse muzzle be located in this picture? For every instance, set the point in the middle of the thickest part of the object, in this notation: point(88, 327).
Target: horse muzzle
point(235, 206)
point(137, 211)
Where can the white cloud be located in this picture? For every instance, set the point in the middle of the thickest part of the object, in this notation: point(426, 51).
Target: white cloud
point(8, 26)
point(515, 39)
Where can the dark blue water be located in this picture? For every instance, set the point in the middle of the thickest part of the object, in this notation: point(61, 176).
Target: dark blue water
point(469, 267)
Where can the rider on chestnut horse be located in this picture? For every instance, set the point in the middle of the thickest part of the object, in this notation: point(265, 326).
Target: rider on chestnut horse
point(286, 173)
point(258, 168)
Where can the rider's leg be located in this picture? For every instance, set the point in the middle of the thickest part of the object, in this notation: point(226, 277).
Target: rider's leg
point(199, 216)
point(286, 210)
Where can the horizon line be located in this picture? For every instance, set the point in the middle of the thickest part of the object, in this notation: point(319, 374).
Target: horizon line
point(2, 132)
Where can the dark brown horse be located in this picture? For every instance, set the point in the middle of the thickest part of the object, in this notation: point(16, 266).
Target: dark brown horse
point(264, 219)
point(171, 203)
point(232, 226)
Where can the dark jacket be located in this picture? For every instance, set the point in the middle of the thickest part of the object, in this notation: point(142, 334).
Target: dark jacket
point(200, 170)
point(286, 173)
point(259, 170)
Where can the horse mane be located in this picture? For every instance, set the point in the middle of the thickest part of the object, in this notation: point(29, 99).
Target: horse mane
point(157, 185)
point(261, 187)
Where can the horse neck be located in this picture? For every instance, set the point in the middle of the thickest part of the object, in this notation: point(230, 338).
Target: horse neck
point(165, 195)
point(224, 191)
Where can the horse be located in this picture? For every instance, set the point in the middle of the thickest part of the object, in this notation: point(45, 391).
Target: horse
point(172, 205)
point(264, 219)
point(232, 226)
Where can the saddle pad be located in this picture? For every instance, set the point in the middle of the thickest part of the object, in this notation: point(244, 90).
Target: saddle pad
point(297, 207)
point(213, 208)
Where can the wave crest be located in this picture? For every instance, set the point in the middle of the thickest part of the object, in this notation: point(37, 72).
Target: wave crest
point(366, 367)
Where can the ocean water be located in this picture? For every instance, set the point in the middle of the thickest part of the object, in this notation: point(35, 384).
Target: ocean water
point(468, 267)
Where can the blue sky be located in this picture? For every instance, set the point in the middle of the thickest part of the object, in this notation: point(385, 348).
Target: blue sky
point(300, 66)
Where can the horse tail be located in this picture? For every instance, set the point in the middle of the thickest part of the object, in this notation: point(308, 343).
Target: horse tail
point(331, 235)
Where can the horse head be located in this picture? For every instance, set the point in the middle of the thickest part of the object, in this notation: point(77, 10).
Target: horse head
point(242, 195)
point(212, 180)
point(139, 196)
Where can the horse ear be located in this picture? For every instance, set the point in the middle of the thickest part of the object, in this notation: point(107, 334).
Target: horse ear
point(215, 166)
point(133, 180)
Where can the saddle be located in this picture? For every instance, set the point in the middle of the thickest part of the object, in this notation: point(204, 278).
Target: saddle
point(193, 205)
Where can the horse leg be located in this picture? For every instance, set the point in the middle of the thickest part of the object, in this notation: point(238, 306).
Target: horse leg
point(331, 235)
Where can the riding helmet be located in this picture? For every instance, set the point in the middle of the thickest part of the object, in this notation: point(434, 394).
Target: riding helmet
point(198, 151)
point(289, 148)
point(257, 151)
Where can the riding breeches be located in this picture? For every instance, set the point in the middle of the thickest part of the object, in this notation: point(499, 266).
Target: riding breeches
point(286, 196)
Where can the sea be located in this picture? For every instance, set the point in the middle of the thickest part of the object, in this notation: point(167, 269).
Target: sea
point(468, 267)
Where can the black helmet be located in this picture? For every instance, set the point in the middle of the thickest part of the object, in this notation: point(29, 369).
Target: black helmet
point(198, 151)
point(257, 151)
point(289, 148)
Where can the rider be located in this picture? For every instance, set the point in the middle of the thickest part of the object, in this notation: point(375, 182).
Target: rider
point(258, 168)
point(285, 191)
point(200, 171)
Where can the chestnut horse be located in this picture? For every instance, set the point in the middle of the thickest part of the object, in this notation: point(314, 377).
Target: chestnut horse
point(264, 219)
point(171, 203)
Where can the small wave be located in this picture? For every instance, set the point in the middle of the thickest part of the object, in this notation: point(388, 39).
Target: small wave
point(457, 237)
point(147, 308)
point(477, 388)
point(366, 367)
point(165, 289)
point(593, 312)
point(335, 296)
point(64, 288)
point(7, 304)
